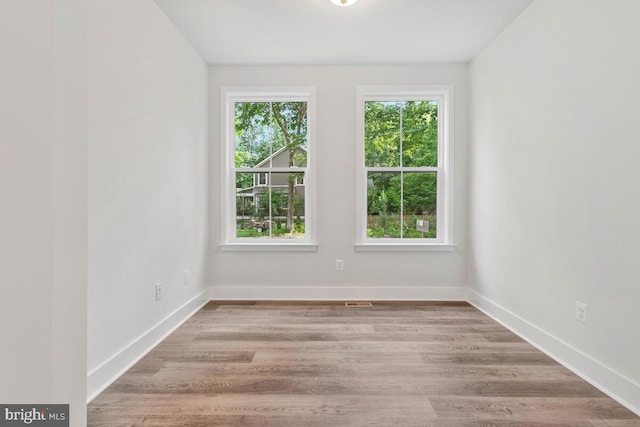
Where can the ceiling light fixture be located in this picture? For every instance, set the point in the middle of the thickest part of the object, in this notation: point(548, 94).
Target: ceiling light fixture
point(343, 2)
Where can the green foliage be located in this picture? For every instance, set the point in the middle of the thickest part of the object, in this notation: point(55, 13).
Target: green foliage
point(278, 203)
point(291, 118)
point(420, 193)
point(420, 134)
point(262, 128)
point(391, 227)
point(275, 232)
point(298, 206)
point(386, 122)
point(244, 181)
point(382, 134)
point(244, 207)
point(254, 134)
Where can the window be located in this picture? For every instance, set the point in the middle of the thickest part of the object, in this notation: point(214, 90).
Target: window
point(267, 150)
point(404, 179)
point(261, 179)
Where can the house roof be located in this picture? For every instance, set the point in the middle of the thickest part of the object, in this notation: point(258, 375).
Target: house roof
point(276, 154)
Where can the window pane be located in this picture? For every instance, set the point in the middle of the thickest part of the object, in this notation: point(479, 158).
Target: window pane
point(290, 133)
point(270, 134)
point(419, 205)
point(263, 211)
point(381, 134)
point(254, 136)
point(383, 205)
point(246, 209)
point(287, 204)
point(420, 134)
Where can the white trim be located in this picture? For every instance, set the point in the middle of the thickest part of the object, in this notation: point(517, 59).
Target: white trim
point(269, 246)
point(230, 95)
point(620, 388)
point(111, 369)
point(444, 94)
point(339, 293)
point(405, 246)
point(292, 169)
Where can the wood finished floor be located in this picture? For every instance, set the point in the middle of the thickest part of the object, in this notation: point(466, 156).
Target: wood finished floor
point(307, 365)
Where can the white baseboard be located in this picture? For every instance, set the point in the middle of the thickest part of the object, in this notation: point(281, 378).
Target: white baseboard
point(110, 370)
point(609, 381)
point(338, 293)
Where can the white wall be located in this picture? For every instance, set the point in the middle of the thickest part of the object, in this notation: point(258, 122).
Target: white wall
point(43, 203)
point(417, 275)
point(148, 174)
point(554, 213)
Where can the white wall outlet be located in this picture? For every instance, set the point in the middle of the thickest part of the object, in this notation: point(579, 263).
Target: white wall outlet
point(339, 264)
point(158, 291)
point(581, 312)
point(186, 277)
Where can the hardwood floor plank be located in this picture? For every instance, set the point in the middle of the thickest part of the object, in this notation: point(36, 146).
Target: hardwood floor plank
point(337, 336)
point(420, 387)
point(615, 423)
point(203, 356)
point(207, 386)
point(265, 404)
point(350, 347)
point(541, 408)
point(173, 372)
point(520, 358)
point(352, 358)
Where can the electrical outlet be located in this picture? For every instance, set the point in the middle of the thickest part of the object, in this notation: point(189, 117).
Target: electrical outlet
point(158, 291)
point(186, 277)
point(581, 312)
point(339, 264)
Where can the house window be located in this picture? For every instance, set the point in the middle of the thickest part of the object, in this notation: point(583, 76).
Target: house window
point(268, 153)
point(404, 180)
point(261, 179)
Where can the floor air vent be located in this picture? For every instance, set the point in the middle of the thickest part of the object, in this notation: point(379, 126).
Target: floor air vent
point(358, 304)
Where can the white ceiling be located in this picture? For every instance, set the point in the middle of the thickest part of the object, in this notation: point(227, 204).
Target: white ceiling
point(297, 32)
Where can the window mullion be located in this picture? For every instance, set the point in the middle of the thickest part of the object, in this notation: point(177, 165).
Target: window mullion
point(269, 220)
point(401, 178)
point(269, 189)
point(383, 169)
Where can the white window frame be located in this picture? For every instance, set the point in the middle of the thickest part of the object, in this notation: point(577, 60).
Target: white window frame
point(258, 181)
point(444, 209)
point(228, 98)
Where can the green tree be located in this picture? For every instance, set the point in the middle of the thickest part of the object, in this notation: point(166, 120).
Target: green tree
point(416, 121)
point(420, 193)
point(419, 134)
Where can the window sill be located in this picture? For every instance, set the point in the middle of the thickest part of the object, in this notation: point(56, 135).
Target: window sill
point(268, 247)
point(404, 247)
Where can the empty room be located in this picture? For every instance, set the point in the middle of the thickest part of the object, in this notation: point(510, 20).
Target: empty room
point(319, 213)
